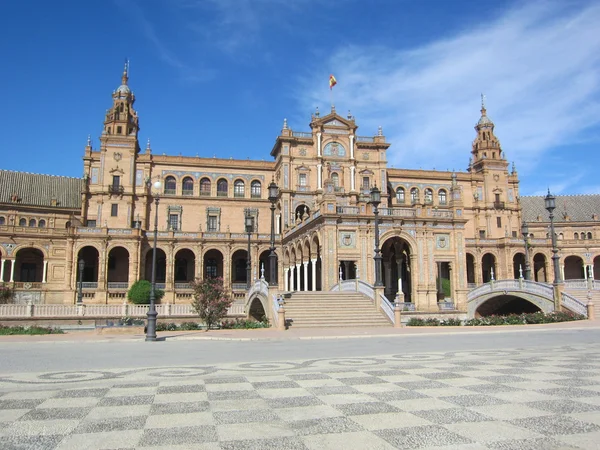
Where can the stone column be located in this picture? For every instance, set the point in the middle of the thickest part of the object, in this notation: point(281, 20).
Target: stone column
point(12, 270)
point(477, 270)
point(285, 279)
point(298, 277)
point(319, 144)
point(399, 263)
point(2, 270)
point(306, 288)
point(352, 147)
point(45, 273)
point(319, 177)
point(352, 178)
point(314, 274)
point(292, 283)
point(387, 269)
point(413, 279)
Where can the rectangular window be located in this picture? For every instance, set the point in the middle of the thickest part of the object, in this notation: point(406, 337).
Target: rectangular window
point(499, 222)
point(481, 234)
point(91, 223)
point(114, 210)
point(116, 181)
point(174, 222)
point(514, 234)
point(212, 223)
point(302, 179)
point(366, 184)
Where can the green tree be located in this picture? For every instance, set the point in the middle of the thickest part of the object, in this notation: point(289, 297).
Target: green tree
point(139, 293)
point(6, 294)
point(211, 301)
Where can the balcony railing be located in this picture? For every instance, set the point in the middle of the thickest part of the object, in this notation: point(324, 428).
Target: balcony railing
point(238, 286)
point(498, 205)
point(116, 189)
point(89, 285)
point(182, 285)
point(221, 193)
point(114, 285)
point(348, 210)
point(302, 134)
point(170, 191)
point(365, 139)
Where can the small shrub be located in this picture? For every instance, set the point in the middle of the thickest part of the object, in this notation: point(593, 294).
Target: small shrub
point(139, 293)
point(186, 326)
point(33, 330)
point(418, 322)
point(451, 322)
point(239, 324)
point(6, 293)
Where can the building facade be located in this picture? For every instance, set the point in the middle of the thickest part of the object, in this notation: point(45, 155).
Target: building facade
point(440, 233)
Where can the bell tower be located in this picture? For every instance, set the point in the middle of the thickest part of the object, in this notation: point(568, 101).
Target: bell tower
point(122, 119)
point(486, 146)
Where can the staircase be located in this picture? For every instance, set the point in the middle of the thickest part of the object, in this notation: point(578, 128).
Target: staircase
point(324, 309)
point(582, 295)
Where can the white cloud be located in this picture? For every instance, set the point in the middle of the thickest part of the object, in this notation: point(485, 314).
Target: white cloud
point(538, 65)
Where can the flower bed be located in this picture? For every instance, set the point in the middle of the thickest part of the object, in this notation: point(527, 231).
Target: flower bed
point(511, 319)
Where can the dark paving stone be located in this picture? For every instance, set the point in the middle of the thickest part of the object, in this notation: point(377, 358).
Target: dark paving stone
point(179, 436)
point(451, 415)
point(182, 389)
point(515, 371)
point(569, 392)
point(30, 442)
point(564, 406)
point(128, 400)
point(355, 409)
point(117, 424)
point(20, 404)
point(323, 426)
point(397, 395)
point(356, 381)
point(332, 390)
point(529, 444)
point(384, 372)
point(491, 388)
point(441, 375)
point(504, 379)
point(293, 402)
point(555, 425)
point(77, 393)
point(425, 384)
point(56, 413)
point(265, 415)
point(281, 443)
point(137, 385)
point(275, 385)
point(418, 437)
point(577, 382)
point(309, 376)
point(232, 395)
point(575, 373)
point(474, 400)
point(179, 407)
point(226, 380)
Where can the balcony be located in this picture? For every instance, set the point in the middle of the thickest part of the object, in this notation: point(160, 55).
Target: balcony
point(498, 205)
point(170, 191)
point(116, 190)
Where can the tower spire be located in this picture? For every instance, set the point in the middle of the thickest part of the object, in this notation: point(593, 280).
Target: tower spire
point(125, 76)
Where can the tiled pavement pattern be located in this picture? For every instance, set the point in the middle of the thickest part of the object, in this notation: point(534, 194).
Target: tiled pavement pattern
point(514, 399)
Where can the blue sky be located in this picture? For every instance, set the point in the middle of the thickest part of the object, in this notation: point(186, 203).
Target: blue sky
point(217, 77)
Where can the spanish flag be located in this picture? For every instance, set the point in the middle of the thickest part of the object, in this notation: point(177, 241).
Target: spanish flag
point(332, 81)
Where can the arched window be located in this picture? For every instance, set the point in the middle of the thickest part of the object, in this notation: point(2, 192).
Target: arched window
point(22, 222)
point(68, 224)
point(170, 185)
point(589, 235)
point(442, 198)
point(414, 195)
point(576, 236)
point(335, 178)
point(2, 220)
point(239, 188)
point(205, 186)
point(222, 188)
point(32, 223)
point(255, 189)
point(42, 223)
point(428, 196)
point(400, 195)
point(560, 237)
point(582, 235)
point(187, 186)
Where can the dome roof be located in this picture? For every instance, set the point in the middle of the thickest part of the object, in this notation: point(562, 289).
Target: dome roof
point(123, 89)
point(485, 120)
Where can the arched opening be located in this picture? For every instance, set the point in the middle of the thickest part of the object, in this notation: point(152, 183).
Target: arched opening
point(335, 179)
point(118, 266)
point(222, 188)
point(302, 212)
point(187, 187)
point(488, 267)
point(239, 189)
point(396, 268)
point(539, 268)
point(185, 266)
point(414, 195)
point(574, 268)
point(400, 195)
point(519, 266)
point(471, 270)
point(91, 259)
point(597, 268)
point(503, 305)
point(255, 189)
point(161, 266)
point(314, 266)
point(170, 185)
point(22, 222)
point(32, 223)
point(442, 197)
point(205, 187)
point(239, 269)
point(42, 223)
point(265, 266)
point(213, 264)
point(29, 265)
point(428, 195)
point(257, 311)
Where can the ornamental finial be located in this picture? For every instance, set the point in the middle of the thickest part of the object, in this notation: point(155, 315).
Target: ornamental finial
point(285, 125)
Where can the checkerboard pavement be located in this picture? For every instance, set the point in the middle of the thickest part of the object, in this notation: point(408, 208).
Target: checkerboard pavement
point(514, 399)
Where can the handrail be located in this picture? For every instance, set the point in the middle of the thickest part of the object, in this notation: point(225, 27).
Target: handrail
point(543, 289)
point(387, 308)
point(573, 304)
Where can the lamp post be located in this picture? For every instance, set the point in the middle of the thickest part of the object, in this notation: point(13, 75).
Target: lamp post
point(550, 204)
point(273, 194)
point(525, 233)
point(151, 317)
point(249, 221)
point(81, 265)
point(375, 201)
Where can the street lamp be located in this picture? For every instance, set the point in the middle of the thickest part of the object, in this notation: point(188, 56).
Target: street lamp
point(151, 317)
point(550, 204)
point(273, 195)
point(81, 265)
point(525, 233)
point(249, 220)
point(375, 201)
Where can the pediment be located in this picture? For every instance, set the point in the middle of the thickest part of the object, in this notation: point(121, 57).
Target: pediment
point(334, 122)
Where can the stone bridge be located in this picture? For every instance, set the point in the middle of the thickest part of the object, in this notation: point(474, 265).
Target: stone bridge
point(539, 294)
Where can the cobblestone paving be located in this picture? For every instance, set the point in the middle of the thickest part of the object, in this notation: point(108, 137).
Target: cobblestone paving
point(513, 399)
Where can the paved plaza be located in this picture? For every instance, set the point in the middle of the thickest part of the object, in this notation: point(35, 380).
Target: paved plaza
point(513, 398)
